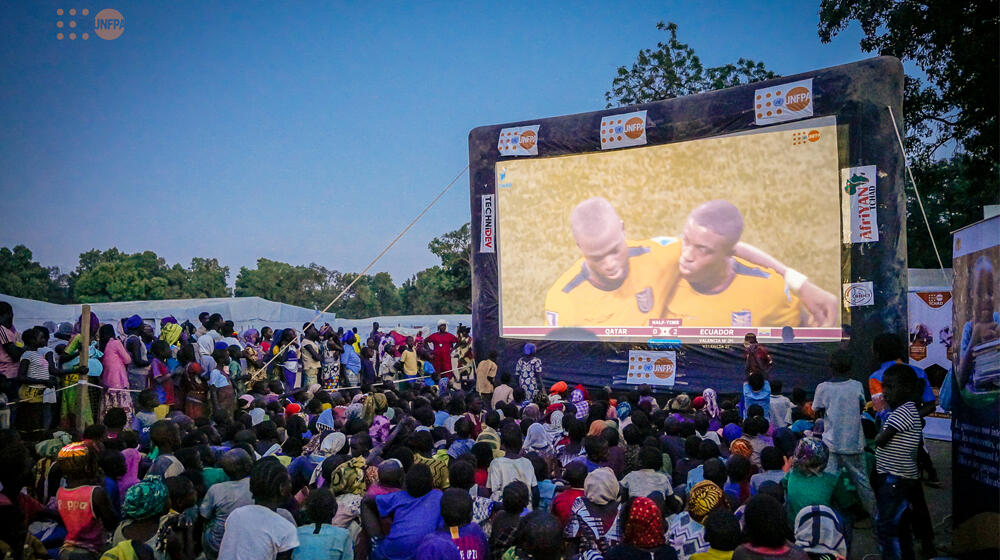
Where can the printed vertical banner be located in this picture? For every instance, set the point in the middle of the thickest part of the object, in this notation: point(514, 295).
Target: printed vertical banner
point(487, 236)
point(975, 389)
point(858, 204)
point(655, 368)
point(859, 294)
point(621, 131)
point(786, 102)
point(518, 141)
point(930, 347)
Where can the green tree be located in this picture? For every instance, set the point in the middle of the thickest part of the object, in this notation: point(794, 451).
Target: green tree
point(207, 279)
point(20, 276)
point(113, 275)
point(306, 286)
point(674, 70)
point(455, 281)
point(954, 105)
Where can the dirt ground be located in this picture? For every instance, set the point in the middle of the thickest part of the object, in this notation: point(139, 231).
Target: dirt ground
point(865, 547)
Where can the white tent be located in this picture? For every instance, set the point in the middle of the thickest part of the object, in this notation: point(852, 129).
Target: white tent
point(245, 312)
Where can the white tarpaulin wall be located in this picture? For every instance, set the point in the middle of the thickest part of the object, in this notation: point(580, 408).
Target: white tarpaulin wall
point(930, 337)
point(245, 312)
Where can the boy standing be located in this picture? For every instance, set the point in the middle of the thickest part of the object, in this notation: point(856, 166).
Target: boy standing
point(896, 462)
point(840, 402)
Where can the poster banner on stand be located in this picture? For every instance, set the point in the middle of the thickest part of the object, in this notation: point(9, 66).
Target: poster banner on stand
point(930, 346)
point(976, 388)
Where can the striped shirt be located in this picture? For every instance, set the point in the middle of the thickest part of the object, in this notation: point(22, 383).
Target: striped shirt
point(899, 456)
point(38, 366)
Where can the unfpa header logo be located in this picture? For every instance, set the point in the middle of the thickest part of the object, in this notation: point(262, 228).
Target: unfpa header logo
point(109, 24)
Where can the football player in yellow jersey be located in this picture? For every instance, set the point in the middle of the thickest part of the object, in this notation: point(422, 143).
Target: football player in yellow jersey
point(617, 282)
point(716, 287)
point(622, 283)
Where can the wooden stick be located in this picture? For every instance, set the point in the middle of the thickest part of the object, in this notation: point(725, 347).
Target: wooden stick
point(83, 390)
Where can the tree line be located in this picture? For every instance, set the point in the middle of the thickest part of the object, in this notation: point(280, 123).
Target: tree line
point(113, 275)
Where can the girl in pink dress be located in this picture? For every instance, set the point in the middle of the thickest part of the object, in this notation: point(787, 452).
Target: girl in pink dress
point(115, 376)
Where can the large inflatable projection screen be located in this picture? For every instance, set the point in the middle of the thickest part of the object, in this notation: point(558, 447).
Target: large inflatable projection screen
point(692, 237)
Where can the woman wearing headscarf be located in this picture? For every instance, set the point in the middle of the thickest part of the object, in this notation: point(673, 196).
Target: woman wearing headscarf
point(537, 440)
point(69, 360)
point(594, 523)
point(686, 534)
point(597, 428)
point(529, 372)
point(554, 429)
point(171, 333)
point(712, 408)
point(807, 483)
point(579, 399)
point(142, 507)
point(643, 537)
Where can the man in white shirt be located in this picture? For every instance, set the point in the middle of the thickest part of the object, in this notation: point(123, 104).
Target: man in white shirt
point(839, 403)
point(504, 470)
point(262, 530)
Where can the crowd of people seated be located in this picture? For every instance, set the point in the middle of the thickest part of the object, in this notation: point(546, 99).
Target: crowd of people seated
point(200, 442)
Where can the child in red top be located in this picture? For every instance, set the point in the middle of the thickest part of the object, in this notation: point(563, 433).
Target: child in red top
point(575, 474)
point(83, 505)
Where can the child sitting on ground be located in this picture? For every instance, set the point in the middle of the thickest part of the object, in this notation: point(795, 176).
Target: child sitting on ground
point(319, 540)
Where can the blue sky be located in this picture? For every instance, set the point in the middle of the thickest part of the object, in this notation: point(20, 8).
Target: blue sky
point(307, 133)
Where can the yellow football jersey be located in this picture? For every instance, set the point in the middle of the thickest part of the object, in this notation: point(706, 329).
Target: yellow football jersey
point(757, 297)
point(573, 301)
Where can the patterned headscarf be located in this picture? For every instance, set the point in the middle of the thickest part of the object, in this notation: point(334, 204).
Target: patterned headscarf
point(740, 446)
point(580, 402)
point(75, 449)
point(376, 403)
point(349, 478)
point(146, 499)
point(711, 403)
point(703, 498)
point(601, 486)
point(170, 333)
point(554, 427)
point(624, 410)
point(811, 455)
point(644, 527)
point(324, 425)
point(379, 431)
point(50, 447)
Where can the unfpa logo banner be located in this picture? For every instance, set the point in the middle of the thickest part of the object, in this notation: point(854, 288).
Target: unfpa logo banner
point(109, 24)
point(786, 102)
point(655, 368)
point(518, 141)
point(620, 131)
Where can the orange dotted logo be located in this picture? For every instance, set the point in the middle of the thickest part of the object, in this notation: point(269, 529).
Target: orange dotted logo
point(527, 139)
point(109, 24)
point(797, 99)
point(70, 23)
point(813, 135)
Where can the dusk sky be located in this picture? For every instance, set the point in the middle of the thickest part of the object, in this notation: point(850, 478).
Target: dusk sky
point(301, 133)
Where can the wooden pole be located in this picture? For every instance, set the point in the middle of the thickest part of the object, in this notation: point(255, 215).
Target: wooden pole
point(83, 391)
